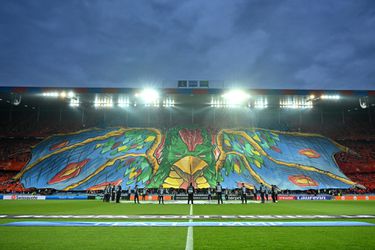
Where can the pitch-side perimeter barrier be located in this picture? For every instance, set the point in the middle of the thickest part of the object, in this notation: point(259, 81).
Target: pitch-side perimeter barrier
point(44, 197)
point(169, 197)
point(327, 197)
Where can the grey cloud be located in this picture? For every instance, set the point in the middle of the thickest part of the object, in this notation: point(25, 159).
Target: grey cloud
point(264, 44)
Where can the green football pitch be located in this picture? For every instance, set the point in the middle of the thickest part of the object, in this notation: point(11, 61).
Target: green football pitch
point(176, 237)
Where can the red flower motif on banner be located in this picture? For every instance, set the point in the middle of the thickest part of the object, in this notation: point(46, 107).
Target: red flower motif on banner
point(303, 181)
point(70, 171)
point(59, 145)
point(308, 152)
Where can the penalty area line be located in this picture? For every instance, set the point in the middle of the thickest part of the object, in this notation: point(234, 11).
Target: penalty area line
point(189, 236)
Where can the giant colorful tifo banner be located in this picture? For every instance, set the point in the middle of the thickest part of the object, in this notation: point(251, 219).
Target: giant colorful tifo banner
point(175, 157)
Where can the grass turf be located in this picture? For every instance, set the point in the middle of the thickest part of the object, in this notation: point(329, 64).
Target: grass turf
point(98, 207)
point(175, 238)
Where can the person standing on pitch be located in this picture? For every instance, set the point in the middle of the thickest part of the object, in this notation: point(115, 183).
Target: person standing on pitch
point(129, 193)
point(118, 193)
point(261, 190)
point(226, 194)
point(190, 192)
point(274, 193)
point(267, 191)
point(255, 193)
point(113, 193)
point(144, 192)
point(219, 193)
point(106, 193)
point(243, 194)
point(161, 194)
point(209, 194)
point(136, 194)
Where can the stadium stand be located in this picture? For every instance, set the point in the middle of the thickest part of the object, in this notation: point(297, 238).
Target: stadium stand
point(23, 128)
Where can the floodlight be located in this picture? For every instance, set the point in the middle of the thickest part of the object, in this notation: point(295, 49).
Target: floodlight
point(149, 95)
point(70, 94)
point(235, 97)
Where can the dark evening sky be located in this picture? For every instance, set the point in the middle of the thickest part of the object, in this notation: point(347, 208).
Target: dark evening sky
point(320, 44)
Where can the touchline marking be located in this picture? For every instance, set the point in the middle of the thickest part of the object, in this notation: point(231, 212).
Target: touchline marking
point(189, 236)
point(181, 217)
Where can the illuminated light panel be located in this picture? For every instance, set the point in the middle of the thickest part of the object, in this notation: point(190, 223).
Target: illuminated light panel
point(123, 102)
point(74, 102)
point(261, 102)
point(168, 102)
point(219, 103)
point(62, 94)
point(330, 97)
point(294, 102)
point(51, 94)
point(103, 102)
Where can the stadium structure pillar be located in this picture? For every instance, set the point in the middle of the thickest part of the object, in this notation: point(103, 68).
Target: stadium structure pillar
point(83, 117)
point(148, 117)
point(60, 115)
point(38, 115)
point(369, 115)
point(214, 116)
point(192, 115)
point(10, 113)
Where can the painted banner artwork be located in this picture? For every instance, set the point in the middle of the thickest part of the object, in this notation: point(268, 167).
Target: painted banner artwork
point(175, 157)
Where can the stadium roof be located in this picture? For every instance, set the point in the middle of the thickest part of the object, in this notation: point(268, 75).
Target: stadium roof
point(188, 91)
point(33, 97)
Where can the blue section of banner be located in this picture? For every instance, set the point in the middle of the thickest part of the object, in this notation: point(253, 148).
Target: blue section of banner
point(189, 224)
point(61, 197)
point(1, 196)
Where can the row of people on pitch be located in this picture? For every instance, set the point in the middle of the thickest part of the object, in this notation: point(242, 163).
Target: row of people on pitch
point(219, 193)
point(161, 192)
point(112, 193)
point(265, 192)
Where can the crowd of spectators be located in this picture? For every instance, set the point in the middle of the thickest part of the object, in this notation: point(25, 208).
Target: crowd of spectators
point(16, 149)
point(359, 163)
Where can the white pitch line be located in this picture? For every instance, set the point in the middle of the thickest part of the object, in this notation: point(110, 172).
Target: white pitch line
point(189, 236)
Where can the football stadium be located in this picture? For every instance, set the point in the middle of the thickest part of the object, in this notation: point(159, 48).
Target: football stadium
point(285, 163)
point(160, 124)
